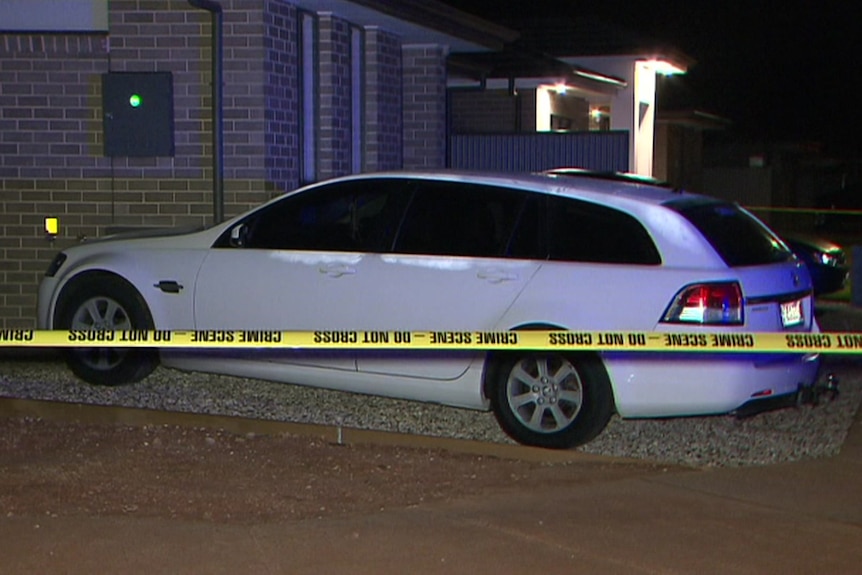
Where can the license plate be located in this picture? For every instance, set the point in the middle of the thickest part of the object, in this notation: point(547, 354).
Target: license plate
point(791, 313)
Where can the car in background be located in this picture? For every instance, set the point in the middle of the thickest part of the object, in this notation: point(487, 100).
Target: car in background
point(459, 253)
point(826, 261)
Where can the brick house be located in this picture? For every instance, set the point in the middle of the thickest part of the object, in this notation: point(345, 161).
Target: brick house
point(311, 89)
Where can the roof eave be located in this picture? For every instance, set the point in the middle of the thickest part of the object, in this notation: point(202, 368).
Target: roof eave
point(434, 14)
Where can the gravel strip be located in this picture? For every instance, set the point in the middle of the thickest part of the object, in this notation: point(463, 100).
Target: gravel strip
point(721, 441)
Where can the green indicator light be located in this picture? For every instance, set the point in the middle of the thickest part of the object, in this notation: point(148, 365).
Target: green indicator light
point(134, 100)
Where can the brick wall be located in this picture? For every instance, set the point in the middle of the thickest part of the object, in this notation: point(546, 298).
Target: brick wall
point(281, 83)
point(335, 97)
point(51, 142)
point(383, 134)
point(52, 161)
point(424, 93)
point(50, 155)
point(48, 88)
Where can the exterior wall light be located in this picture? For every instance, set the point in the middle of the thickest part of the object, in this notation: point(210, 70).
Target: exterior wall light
point(52, 227)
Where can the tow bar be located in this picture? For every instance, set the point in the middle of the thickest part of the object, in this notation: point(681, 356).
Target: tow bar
point(812, 394)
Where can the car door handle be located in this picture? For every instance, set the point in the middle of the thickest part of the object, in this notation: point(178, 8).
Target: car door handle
point(336, 270)
point(169, 286)
point(496, 276)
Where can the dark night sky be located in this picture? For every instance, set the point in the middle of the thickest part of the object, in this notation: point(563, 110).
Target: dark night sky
point(782, 70)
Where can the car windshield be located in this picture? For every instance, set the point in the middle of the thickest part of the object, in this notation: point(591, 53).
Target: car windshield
point(738, 237)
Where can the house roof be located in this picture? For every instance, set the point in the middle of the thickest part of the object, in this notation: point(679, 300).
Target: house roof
point(420, 21)
point(566, 37)
point(546, 48)
point(444, 16)
point(511, 64)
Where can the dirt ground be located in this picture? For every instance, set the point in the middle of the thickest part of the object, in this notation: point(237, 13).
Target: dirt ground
point(68, 469)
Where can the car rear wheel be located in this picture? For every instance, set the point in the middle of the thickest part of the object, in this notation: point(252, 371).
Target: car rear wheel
point(550, 400)
point(105, 302)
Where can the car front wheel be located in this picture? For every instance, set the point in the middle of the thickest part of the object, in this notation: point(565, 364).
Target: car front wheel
point(105, 302)
point(550, 400)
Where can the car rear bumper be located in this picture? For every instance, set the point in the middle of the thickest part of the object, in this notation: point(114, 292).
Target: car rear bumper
point(661, 385)
point(761, 405)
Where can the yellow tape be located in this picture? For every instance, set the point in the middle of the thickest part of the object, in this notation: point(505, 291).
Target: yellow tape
point(790, 342)
point(830, 211)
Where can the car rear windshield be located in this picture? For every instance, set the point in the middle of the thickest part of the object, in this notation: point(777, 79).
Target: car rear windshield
point(739, 238)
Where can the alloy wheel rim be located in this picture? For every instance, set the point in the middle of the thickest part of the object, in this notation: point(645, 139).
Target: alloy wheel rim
point(545, 393)
point(101, 314)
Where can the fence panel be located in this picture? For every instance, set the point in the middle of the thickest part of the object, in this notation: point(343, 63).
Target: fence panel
point(602, 151)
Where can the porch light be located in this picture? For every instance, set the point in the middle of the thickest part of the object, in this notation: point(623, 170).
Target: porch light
point(665, 68)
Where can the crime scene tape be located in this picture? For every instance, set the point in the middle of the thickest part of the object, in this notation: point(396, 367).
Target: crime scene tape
point(769, 342)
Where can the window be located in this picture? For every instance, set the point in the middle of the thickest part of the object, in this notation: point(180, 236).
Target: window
point(738, 238)
point(584, 232)
point(345, 217)
point(450, 218)
point(528, 239)
point(564, 229)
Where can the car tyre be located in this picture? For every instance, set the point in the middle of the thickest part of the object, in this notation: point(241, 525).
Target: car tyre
point(106, 302)
point(550, 400)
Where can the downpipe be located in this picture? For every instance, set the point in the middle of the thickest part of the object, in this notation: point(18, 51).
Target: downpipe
point(215, 10)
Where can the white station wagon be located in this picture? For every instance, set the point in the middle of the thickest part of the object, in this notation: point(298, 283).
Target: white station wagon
point(454, 251)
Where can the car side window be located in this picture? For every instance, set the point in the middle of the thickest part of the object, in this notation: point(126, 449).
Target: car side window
point(456, 219)
point(528, 240)
point(585, 232)
point(348, 216)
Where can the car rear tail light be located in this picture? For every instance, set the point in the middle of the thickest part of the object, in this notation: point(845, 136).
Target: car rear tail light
point(707, 304)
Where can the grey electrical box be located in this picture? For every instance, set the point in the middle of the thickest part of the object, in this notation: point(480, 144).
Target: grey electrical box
point(138, 113)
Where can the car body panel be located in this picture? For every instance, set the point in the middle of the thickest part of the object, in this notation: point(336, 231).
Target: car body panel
point(431, 293)
point(301, 291)
point(142, 262)
point(600, 296)
point(465, 391)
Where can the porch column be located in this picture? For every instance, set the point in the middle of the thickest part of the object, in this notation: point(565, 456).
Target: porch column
point(383, 126)
point(335, 112)
point(424, 95)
